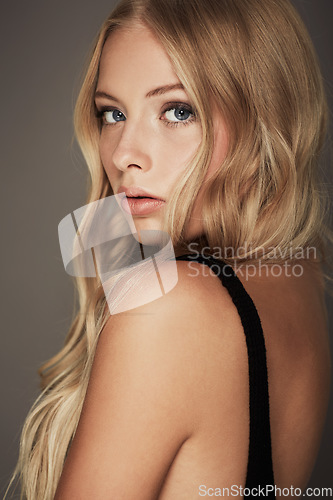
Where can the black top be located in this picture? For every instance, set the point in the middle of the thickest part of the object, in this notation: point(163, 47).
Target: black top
point(260, 466)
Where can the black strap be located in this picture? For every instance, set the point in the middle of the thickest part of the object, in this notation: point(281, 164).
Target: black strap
point(260, 465)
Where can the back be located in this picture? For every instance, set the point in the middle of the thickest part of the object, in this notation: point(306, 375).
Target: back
point(166, 413)
point(293, 317)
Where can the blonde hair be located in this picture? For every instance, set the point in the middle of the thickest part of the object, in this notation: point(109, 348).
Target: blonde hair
point(254, 60)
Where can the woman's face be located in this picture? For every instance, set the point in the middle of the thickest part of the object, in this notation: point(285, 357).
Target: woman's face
point(149, 128)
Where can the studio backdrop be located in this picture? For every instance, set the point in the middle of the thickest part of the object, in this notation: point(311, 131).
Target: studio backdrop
point(43, 178)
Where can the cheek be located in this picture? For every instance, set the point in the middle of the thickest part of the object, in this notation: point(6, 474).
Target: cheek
point(177, 150)
point(106, 150)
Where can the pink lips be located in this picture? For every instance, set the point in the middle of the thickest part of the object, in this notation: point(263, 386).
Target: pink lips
point(139, 202)
point(141, 206)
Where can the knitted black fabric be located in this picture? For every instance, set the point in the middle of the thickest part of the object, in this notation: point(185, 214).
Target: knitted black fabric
point(260, 466)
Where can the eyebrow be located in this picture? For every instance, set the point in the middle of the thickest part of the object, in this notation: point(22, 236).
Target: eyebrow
point(151, 93)
point(165, 89)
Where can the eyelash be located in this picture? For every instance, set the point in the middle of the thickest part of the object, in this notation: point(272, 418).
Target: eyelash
point(179, 105)
point(99, 113)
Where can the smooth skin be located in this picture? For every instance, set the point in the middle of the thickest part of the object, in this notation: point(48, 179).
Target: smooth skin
point(166, 408)
point(143, 141)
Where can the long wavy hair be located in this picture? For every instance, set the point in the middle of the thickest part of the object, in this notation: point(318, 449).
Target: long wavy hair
point(254, 59)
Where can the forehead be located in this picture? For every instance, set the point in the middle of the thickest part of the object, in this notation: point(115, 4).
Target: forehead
point(134, 56)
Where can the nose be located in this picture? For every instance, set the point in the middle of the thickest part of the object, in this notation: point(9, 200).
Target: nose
point(133, 148)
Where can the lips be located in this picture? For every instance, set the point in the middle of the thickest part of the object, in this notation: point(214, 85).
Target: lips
point(139, 202)
point(138, 193)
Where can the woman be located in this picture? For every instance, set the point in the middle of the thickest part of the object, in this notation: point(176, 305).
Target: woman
point(217, 109)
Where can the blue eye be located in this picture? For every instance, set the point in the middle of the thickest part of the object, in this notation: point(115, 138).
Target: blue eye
point(109, 116)
point(178, 114)
point(175, 114)
point(113, 116)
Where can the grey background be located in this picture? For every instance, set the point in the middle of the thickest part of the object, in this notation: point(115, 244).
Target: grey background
point(43, 178)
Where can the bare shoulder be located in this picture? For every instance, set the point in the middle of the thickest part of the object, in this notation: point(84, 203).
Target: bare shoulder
point(188, 311)
point(177, 321)
point(152, 369)
point(192, 330)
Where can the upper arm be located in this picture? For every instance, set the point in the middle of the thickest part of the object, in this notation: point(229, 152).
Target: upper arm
point(142, 400)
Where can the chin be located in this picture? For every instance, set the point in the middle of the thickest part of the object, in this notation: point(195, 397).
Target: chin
point(153, 240)
point(145, 225)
